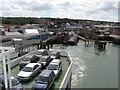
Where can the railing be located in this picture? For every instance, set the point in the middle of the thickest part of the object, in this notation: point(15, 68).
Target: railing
point(17, 60)
point(67, 76)
point(7, 43)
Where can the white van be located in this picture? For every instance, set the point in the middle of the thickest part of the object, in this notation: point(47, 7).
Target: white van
point(56, 66)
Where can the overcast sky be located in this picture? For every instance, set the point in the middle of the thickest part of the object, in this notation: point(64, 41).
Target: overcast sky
point(104, 10)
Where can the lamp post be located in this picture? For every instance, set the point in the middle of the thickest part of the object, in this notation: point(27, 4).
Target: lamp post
point(4, 70)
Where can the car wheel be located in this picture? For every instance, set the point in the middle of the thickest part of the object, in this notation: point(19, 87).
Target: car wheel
point(61, 70)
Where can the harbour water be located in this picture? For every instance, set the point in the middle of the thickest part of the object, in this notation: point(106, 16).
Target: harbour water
point(93, 68)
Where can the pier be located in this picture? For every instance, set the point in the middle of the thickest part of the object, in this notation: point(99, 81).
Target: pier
point(100, 45)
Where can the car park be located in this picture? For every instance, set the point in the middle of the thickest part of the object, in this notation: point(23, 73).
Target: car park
point(44, 60)
point(29, 71)
point(44, 81)
point(54, 54)
point(28, 59)
point(16, 85)
point(56, 66)
point(41, 52)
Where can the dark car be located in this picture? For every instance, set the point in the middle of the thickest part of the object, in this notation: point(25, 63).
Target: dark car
point(44, 81)
point(41, 52)
point(16, 85)
point(44, 61)
point(28, 59)
point(54, 54)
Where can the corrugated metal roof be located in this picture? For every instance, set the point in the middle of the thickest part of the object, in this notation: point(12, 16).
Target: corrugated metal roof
point(31, 31)
point(12, 33)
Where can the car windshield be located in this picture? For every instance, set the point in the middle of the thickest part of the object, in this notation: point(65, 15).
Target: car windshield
point(27, 69)
point(53, 67)
point(52, 53)
point(26, 59)
point(42, 59)
point(38, 53)
point(15, 82)
point(42, 79)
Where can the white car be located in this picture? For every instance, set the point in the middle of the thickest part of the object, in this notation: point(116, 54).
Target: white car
point(54, 54)
point(56, 66)
point(29, 71)
point(41, 52)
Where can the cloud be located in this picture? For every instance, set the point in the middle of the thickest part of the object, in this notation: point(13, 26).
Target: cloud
point(65, 4)
point(38, 7)
point(108, 6)
point(76, 9)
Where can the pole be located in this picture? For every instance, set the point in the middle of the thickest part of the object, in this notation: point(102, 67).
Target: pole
point(85, 33)
point(9, 70)
point(5, 71)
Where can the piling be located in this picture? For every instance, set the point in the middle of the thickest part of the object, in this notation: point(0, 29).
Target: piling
point(100, 45)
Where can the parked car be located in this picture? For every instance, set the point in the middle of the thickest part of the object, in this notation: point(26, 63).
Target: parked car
point(16, 85)
point(56, 66)
point(41, 52)
point(54, 54)
point(44, 81)
point(29, 71)
point(28, 59)
point(44, 61)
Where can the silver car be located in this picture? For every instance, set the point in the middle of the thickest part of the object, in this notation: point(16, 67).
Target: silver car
point(44, 61)
point(29, 71)
point(28, 59)
point(54, 54)
point(41, 52)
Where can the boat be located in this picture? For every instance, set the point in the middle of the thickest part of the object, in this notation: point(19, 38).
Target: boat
point(64, 80)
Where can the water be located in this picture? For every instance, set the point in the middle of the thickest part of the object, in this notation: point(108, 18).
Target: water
point(93, 68)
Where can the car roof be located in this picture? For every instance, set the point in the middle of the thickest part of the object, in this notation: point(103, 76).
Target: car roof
point(53, 52)
point(55, 61)
point(31, 64)
point(46, 56)
point(29, 56)
point(42, 50)
point(45, 73)
point(56, 50)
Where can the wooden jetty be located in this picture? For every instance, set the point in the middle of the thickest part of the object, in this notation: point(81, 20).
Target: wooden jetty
point(100, 45)
point(70, 38)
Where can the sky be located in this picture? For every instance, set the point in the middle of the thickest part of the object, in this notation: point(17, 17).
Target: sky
point(103, 10)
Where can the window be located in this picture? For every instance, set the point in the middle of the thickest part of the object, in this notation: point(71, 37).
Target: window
point(26, 59)
point(27, 69)
point(36, 66)
point(59, 65)
point(42, 79)
point(53, 67)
